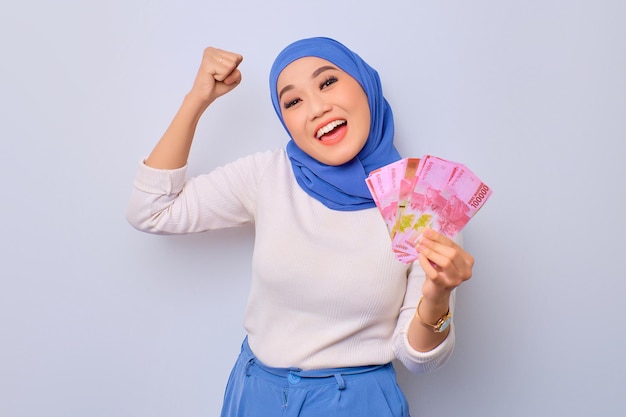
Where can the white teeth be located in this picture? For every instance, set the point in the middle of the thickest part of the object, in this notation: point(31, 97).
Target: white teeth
point(329, 127)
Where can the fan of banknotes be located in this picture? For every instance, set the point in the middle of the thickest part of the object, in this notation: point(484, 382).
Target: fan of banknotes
point(429, 192)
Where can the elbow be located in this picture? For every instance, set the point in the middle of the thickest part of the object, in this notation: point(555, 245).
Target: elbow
point(140, 216)
point(136, 221)
point(142, 221)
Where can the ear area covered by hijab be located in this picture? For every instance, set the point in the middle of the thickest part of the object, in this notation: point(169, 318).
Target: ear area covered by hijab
point(340, 187)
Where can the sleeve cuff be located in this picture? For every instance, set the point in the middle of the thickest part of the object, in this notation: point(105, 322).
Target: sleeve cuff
point(160, 181)
point(423, 362)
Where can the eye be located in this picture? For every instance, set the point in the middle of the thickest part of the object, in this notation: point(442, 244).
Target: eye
point(328, 82)
point(291, 103)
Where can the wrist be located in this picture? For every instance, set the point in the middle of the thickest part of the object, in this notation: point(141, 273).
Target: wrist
point(196, 102)
point(435, 316)
point(438, 299)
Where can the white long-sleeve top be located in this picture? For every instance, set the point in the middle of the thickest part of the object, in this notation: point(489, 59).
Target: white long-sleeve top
point(326, 289)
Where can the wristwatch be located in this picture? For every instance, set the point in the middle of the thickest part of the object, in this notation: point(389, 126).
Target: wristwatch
point(441, 325)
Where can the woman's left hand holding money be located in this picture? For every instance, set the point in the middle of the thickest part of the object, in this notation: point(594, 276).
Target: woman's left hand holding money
point(446, 265)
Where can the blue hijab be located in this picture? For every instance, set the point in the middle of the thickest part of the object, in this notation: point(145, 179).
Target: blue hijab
point(340, 187)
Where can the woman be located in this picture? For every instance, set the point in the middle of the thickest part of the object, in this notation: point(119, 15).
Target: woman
point(329, 305)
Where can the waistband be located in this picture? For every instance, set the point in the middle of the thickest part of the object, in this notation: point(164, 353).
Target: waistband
point(296, 375)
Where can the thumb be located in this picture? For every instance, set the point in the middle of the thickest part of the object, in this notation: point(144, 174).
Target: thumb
point(229, 83)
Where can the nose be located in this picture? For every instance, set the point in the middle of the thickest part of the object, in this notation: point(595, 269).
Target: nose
point(318, 106)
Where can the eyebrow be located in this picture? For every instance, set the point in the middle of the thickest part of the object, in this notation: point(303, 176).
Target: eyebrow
point(315, 74)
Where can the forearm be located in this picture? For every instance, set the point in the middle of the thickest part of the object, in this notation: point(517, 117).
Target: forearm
point(172, 150)
point(422, 337)
point(217, 75)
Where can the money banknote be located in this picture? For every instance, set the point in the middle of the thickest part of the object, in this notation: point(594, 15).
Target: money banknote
point(413, 194)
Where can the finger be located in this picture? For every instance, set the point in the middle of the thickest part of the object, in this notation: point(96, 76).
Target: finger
point(438, 262)
point(226, 64)
point(441, 254)
point(233, 78)
point(454, 264)
point(438, 237)
point(429, 267)
point(447, 278)
point(442, 244)
point(436, 276)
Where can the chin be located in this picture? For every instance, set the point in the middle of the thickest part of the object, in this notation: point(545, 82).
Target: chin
point(333, 155)
point(336, 161)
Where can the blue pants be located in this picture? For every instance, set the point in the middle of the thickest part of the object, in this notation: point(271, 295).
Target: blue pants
point(256, 390)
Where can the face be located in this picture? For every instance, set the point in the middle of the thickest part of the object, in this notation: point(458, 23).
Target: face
point(325, 110)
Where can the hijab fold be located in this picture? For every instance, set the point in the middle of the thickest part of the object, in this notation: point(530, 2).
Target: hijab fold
point(340, 187)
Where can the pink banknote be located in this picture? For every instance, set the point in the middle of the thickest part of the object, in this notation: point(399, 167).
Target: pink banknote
point(384, 184)
point(465, 194)
point(414, 194)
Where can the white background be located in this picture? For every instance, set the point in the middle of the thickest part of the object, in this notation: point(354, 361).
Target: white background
point(99, 320)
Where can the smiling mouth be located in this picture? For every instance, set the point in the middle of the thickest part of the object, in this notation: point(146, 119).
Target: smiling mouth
point(329, 128)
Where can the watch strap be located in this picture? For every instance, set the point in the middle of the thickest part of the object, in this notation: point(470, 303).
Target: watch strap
point(442, 323)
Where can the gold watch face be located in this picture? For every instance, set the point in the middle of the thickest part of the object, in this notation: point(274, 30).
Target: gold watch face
point(443, 324)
